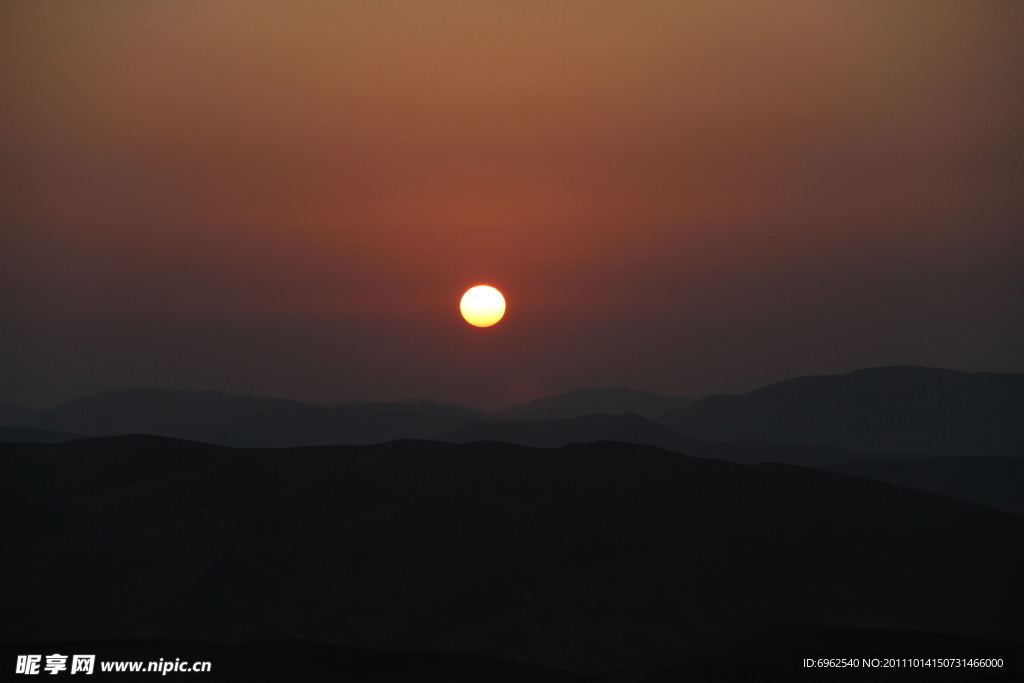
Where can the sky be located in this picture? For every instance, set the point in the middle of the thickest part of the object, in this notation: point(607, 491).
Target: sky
point(289, 198)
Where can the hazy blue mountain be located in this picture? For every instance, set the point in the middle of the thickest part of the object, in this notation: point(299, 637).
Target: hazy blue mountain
point(421, 406)
point(354, 424)
point(151, 411)
point(1009, 449)
point(11, 416)
point(878, 410)
point(222, 417)
point(579, 402)
point(588, 557)
point(991, 481)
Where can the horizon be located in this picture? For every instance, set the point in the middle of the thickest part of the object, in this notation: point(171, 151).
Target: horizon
point(486, 411)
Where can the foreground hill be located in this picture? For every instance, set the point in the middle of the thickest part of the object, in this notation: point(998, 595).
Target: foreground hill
point(588, 557)
point(630, 428)
point(995, 482)
point(878, 410)
point(593, 401)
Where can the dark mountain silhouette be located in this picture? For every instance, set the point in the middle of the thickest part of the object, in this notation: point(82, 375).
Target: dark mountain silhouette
point(24, 434)
point(756, 654)
point(991, 481)
point(630, 428)
point(879, 410)
point(354, 424)
point(588, 557)
point(996, 482)
point(579, 402)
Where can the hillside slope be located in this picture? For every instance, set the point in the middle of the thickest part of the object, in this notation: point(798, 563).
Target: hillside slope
point(588, 557)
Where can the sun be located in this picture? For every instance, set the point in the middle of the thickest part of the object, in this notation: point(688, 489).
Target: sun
point(482, 306)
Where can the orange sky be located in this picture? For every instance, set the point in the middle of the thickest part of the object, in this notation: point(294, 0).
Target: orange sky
point(290, 197)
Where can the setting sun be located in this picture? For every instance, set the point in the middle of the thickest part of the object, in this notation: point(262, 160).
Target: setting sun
point(482, 306)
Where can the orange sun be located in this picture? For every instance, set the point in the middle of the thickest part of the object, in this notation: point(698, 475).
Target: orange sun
point(482, 306)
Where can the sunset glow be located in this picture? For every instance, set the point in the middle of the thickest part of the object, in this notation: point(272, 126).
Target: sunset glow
point(290, 198)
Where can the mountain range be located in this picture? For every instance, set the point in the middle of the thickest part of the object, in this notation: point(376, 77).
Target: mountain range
point(896, 412)
point(604, 535)
point(900, 404)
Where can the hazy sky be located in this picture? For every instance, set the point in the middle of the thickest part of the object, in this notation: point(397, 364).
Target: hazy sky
point(289, 198)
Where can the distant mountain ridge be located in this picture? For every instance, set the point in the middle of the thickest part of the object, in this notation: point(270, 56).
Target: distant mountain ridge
point(580, 402)
point(248, 423)
point(10, 415)
point(355, 424)
point(256, 421)
point(422, 406)
point(239, 420)
point(896, 412)
point(904, 409)
point(162, 412)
